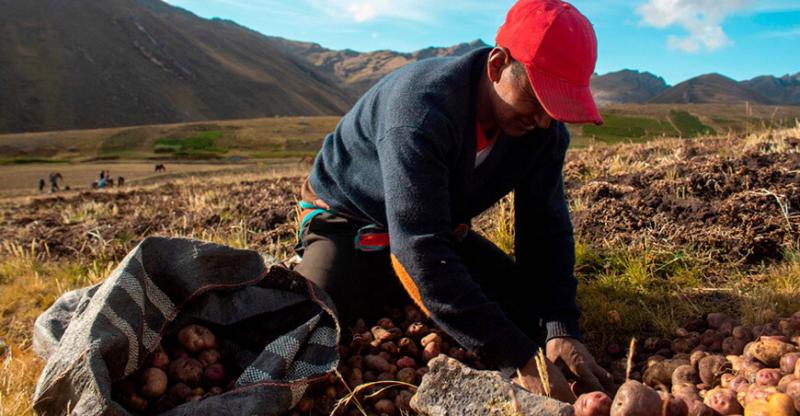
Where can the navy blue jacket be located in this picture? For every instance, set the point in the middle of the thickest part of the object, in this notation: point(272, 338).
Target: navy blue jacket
point(403, 159)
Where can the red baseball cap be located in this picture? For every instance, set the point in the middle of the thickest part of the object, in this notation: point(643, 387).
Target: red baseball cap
point(558, 47)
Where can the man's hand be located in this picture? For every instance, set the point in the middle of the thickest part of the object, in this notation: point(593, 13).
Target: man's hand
point(573, 355)
point(559, 387)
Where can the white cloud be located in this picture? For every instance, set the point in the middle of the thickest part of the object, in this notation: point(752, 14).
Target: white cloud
point(788, 33)
point(702, 20)
point(366, 10)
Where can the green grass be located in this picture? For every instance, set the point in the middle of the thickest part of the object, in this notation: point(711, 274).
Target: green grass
point(621, 128)
point(198, 146)
point(689, 125)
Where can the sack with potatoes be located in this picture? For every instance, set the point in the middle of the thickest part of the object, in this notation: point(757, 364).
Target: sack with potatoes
point(185, 327)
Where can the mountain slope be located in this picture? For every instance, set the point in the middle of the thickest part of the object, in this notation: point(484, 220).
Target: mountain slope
point(82, 63)
point(626, 86)
point(710, 89)
point(357, 71)
point(785, 90)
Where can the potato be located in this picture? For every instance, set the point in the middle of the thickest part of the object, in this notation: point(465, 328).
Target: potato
point(777, 405)
point(636, 399)
point(593, 404)
point(135, 402)
point(661, 372)
point(210, 356)
point(186, 370)
point(386, 323)
point(417, 330)
point(685, 374)
point(431, 338)
point(755, 392)
point(695, 358)
point(680, 345)
point(402, 401)
point(749, 369)
point(380, 335)
point(355, 378)
point(158, 359)
point(153, 382)
point(698, 408)
point(768, 377)
point(408, 347)
point(723, 401)
point(792, 390)
point(180, 392)
point(716, 319)
point(769, 351)
point(196, 338)
point(788, 361)
point(685, 391)
point(384, 406)
point(406, 362)
point(710, 369)
point(214, 375)
point(785, 380)
point(733, 346)
point(674, 407)
point(390, 347)
point(407, 375)
point(377, 363)
point(742, 332)
point(431, 351)
point(738, 383)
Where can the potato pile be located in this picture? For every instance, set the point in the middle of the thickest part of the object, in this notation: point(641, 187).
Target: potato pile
point(712, 367)
point(397, 348)
point(193, 368)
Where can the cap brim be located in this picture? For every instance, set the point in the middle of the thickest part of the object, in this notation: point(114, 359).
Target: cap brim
point(564, 101)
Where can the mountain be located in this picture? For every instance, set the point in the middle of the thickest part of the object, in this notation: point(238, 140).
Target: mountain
point(86, 63)
point(626, 86)
point(710, 89)
point(785, 90)
point(357, 71)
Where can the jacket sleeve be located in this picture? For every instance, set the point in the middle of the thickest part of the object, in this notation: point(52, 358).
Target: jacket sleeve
point(544, 242)
point(415, 180)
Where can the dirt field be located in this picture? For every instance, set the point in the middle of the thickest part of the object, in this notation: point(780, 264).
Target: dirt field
point(20, 180)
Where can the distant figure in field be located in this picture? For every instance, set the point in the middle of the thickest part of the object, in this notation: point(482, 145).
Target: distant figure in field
point(41, 184)
point(54, 178)
point(120, 181)
point(102, 175)
point(161, 168)
point(307, 160)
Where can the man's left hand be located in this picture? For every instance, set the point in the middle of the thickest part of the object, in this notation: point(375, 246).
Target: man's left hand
point(573, 354)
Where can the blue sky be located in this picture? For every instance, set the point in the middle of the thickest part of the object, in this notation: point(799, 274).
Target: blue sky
point(675, 39)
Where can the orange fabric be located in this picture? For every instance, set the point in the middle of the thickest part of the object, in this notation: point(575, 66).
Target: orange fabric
point(408, 284)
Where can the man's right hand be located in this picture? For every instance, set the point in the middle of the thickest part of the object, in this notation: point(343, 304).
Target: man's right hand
point(529, 379)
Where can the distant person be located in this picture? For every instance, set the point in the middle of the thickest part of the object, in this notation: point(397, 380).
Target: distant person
point(41, 184)
point(54, 178)
point(120, 181)
point(102, 175)
point(390, 197)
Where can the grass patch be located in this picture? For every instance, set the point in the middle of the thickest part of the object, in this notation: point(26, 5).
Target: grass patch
point(619, 128)
point(689, 125)
point(201, 143)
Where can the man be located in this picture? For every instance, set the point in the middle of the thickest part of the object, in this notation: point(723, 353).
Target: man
point(431, 146)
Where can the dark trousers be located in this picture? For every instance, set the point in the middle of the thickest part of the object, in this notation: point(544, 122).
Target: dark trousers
point(364, 285)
